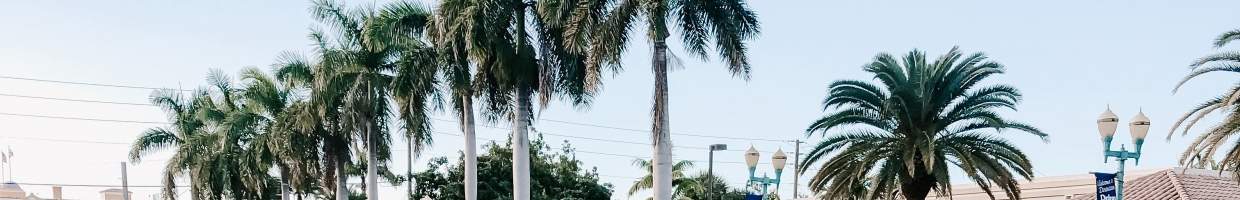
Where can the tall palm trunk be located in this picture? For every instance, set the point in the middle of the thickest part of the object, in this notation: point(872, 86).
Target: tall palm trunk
point(285, 190)
point(520, 140)
point(409, 165)
point(471, 148)
point(921, 184)
point(372, 164)
point(521, 147)
point(662, 134)
point(342, 179)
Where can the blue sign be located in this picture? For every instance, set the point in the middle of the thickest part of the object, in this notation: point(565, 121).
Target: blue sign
point(753, 197)
point(1106, 186)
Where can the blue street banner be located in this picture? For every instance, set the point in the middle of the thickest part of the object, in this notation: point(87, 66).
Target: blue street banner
point(1106, 186)
point(753, 197)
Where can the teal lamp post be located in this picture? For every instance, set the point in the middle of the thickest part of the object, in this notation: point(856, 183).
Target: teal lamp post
point(1138, 128)
point(778, 161)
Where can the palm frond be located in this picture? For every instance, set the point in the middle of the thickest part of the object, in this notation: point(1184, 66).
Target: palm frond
point(898, 137)
point(1226, 37)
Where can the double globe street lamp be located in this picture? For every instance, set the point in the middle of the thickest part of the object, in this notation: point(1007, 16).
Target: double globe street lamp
point(1138, 128)
point(777, 161)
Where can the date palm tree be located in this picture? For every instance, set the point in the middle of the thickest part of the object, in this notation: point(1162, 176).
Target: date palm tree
point(497, 38)
point(1206, 145)
point(728, 23)
point(899, 136)
point(680, 181)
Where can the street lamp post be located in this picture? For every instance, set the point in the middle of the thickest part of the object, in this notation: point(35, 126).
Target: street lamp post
point(1138, 128)
point(710, 167)
point(777, 161)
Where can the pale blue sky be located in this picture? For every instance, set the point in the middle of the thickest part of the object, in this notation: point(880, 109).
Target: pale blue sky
point(1070, 58)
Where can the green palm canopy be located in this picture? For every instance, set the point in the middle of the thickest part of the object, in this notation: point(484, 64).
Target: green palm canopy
point(897, 137)
point(682, 183)
point(1217, 138)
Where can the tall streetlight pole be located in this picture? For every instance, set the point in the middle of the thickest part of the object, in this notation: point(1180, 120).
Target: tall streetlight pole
point(1138, 128)
point(710, 167)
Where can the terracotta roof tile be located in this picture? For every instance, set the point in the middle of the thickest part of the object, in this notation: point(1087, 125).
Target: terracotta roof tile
point(1180, 184)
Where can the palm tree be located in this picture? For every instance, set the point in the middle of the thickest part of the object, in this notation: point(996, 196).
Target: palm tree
point(230, 165)
point(402, 25)
point(315, 115)
point(212, 131)
point(729, 23)
point(280, 143)
point(184, 128)
point(360, 73)
point(494, 37)
point(450, 43)
point(899, 136)
point(683, 184)
point(1205, 146)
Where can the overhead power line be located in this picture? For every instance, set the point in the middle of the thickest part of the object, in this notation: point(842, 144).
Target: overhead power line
point(74, 100)
point(79, 118)
point(648, 131)
point(150, 122)
point(64, 140)
point(550, 120)
point(595, 139)
point(487, 126)
point(93, 185)
point(87, 84)
point(599, 153)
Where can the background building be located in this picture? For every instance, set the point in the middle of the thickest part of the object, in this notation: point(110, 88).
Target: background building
point(1158, 184)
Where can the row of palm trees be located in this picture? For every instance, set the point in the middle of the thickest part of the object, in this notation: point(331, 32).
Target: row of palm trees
point(316, 120)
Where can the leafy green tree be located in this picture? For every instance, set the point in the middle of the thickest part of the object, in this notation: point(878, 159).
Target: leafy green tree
point(1205, 146)
point(717, 188)
point(680, 181)
point(556, 174)
point(728, 23)
point(899, 136)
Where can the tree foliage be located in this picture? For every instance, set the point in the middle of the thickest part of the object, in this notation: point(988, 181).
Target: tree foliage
point(717, 187)
point(555, 174)
point(1217, 139)
point(899, 136)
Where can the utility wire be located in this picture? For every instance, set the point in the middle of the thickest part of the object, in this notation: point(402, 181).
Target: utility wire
point(87, 84)
point(80, 118)
point(647, 131)
point(64, 140)
point(147, 122)
point(438, 119)
point(598, 139)
point(74, 100)
point(94, 185)
point(598, 153)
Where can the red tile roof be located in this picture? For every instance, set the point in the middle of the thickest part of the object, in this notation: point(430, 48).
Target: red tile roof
point(1180, 184)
